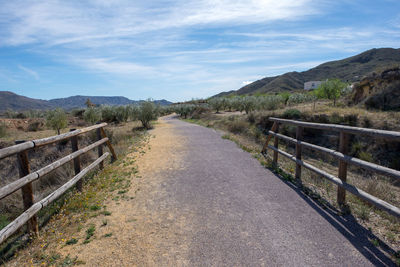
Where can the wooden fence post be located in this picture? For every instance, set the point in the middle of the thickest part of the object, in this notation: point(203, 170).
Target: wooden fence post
point(27, 191)
point(100, 149)
point(77, 161)
point(273, 128)
point(110, 147)
point(299, 136)
point(343, 148)
point(276, 144)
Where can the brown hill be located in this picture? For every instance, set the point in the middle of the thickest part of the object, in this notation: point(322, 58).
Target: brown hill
point(350, 69)
point(10, 100)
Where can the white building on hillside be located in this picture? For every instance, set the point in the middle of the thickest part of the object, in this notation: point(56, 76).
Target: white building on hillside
point(311, 85)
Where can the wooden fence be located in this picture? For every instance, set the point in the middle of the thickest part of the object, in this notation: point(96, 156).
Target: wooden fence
point(27, 177)
point(341, 155)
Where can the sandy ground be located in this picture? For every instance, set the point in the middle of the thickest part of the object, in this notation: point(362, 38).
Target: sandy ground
point(144, 232)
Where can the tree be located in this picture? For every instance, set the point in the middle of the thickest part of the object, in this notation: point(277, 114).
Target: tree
point(89, 103)
point(216, 103)
point(56, 119)
point(147, 113)
point(92, 115)
point(249, 103)
point(285, 96)
point(330, 89)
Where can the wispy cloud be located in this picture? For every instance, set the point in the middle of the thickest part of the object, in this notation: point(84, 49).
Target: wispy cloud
point(177, 47)
point(31, 72)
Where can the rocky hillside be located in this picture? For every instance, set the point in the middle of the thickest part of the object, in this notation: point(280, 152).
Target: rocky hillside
point(379, 90)
point(10, 100)
point(350, 69)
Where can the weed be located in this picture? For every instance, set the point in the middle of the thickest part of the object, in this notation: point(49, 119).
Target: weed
point(72, 241)
point(71, 261)
point(104, 223)
point(106, 213)
point(3, 221)
point(122, 191)
point(375, 242)
point(90, 232)
point(94, 207)
point(107, 235)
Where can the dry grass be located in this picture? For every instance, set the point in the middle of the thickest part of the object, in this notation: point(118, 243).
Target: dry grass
point(122, 137)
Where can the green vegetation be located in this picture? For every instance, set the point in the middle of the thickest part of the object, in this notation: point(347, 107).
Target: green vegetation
point(71, 241)
point(92, 115)
point(147, 113)
point(331, 89)
point(56, 119)
point(3, 130)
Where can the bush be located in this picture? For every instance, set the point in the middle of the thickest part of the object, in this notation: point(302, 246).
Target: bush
point(292, 114)
point(34, 126)
point(147, 113)
point(3, 130)
point(92, 115)
point(122, 113)
point(78, 112)
point(238, 127)
point(56, 119)
point(251, 118)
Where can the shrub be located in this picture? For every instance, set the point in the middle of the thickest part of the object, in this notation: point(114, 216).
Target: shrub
point(3, 130)
point(251, 118)
point(92, 115)
point(78, 112)
point(238, 127)
point(34, 126)
point(147, 113)
point(335, 118)
point(292, 114)
point(363, 155)
point(56, 119)
point(122, 113)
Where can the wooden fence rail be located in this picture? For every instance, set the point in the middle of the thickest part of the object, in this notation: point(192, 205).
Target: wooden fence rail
point(344, 132)
point(27, 177)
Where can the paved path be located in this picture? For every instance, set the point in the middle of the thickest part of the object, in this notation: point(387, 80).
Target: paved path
point(199, 200)
point(243, 215)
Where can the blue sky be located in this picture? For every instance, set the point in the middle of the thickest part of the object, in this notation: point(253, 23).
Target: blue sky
point(178, 50)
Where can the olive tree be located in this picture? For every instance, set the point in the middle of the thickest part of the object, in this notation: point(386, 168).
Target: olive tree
point(56, 119)
point(147, 113)
point(216, 103)
point(92, 115)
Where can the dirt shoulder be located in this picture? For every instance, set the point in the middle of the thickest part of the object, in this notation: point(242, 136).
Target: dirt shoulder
point(130, 228)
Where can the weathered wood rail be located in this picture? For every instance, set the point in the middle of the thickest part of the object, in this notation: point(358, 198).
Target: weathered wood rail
point(344, 134)
point(27, 177)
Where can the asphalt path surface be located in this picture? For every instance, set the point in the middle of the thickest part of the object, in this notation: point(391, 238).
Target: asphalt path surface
point(244, 215)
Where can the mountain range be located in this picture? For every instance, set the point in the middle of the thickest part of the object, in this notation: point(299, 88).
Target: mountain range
point(10, 100)
point(350, 69)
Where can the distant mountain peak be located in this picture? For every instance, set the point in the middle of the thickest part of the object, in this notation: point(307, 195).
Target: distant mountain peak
point(10, 100)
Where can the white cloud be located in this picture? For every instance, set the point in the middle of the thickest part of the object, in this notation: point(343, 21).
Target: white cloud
point(244, 83)
point(113, 66)
point(60, 22)
point(31, 72)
